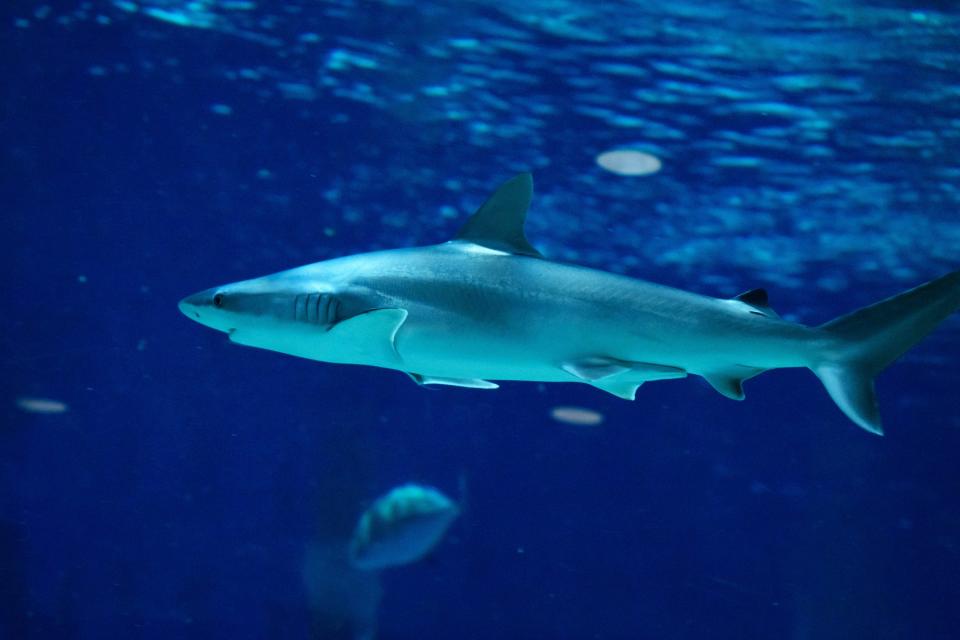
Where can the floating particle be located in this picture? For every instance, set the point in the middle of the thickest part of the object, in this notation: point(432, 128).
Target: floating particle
point(629, 162)
point(577, 416)
point(401, 527)
point(221, 109)
point(41, 405)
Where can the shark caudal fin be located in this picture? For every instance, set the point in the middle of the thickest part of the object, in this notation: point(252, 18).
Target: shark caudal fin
point(860, 344)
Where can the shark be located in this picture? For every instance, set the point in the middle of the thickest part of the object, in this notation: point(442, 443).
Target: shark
point(487, 306)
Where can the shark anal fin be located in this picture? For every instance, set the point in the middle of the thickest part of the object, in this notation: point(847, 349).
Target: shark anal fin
point(470, 383)
point(727, 385)
point(730, 383)
point(498, 224)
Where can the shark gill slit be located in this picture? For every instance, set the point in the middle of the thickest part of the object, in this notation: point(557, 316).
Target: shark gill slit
point(301, 311)
point(323, 309)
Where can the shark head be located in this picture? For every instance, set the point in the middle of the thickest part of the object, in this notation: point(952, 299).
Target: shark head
point(312, 312)
point(245, 307)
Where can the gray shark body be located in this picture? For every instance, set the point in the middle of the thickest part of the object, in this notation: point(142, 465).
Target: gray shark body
point(487, 306)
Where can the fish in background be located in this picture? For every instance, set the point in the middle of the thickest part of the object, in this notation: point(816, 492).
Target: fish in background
point(342, 574)
point(488, 306)
point(401, 527)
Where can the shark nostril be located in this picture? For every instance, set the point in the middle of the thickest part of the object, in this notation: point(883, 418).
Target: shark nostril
point(196, 314)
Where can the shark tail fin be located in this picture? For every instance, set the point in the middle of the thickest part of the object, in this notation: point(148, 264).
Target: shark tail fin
point(861, 344)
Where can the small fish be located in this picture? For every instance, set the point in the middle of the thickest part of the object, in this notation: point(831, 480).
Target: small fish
point(401, 527)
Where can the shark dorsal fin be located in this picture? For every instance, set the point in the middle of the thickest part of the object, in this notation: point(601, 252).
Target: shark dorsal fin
point(757, 298)
point(498, 224)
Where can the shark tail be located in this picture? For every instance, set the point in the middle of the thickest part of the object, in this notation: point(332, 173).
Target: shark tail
point(861, 344)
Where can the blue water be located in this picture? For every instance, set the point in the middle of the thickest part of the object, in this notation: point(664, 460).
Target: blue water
point(189, 488)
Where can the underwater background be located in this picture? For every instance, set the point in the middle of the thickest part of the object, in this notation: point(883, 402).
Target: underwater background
point(159, 482)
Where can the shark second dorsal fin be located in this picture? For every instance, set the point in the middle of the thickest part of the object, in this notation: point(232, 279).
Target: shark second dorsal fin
point(757, 298)
point(498, 224)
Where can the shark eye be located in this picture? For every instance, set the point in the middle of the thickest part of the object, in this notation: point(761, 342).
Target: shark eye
point(218, 300)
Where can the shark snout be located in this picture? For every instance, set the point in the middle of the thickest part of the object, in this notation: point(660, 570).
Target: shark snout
point(199, 304)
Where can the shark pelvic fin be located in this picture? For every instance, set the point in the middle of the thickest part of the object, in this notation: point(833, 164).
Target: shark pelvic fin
point(621, 378)
point(470, 383)
point(594, 368)
point(498, 224)
point(620, 388)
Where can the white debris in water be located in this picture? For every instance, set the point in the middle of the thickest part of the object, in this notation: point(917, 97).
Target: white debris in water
point(221, 109)
point(629, 162)
point(41, 405)
point(578, 416)
point(401, 527)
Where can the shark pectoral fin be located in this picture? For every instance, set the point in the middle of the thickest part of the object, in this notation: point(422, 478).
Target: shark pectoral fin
point(498, 224)
point(730, 383)
point(370, 335)
point(470, 383)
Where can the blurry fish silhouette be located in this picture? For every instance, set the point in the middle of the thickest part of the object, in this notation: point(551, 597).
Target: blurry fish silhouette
point(401, 527)
point(487, 306)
